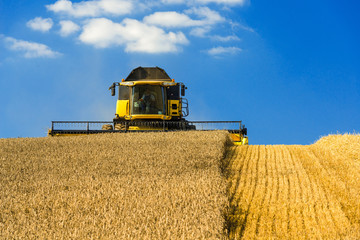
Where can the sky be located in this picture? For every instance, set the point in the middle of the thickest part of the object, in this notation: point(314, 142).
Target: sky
point(290, 70)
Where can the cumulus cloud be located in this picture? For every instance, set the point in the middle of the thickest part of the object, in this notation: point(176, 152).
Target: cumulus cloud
point(133, 34)
point(209, 16)
point(93, 8)
point(151, 34)
point(40, 24)
point(171, 19)
point(174, 19)
point(216, 51)
point(30, 49)
point(68, 27)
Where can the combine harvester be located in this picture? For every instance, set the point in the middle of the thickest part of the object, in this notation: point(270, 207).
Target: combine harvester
point(149, 100)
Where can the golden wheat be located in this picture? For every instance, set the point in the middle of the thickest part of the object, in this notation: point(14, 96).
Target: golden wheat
point(118, 186)
point(170, 186)
point(295, 192)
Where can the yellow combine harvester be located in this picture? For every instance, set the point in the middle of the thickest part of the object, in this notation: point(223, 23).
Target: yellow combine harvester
point(149, 100)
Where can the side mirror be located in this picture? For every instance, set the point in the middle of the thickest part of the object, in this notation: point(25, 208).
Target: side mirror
point(112, 87)
point(244, 131)
point(183, 89)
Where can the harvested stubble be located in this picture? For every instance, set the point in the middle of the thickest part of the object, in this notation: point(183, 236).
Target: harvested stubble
point(295, 192)
point(113, 186)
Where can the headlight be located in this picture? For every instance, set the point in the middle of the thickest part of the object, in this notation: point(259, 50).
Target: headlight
point(127, 83)
point(169, 83)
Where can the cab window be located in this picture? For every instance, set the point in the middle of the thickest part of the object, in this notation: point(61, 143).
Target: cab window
point(124, 92)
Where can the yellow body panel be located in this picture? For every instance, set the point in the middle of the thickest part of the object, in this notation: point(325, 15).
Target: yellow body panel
point(235, 137)
point(174, 108)
point(145, 128)
point(239, 139)
point(148, 116)
point(122, 108)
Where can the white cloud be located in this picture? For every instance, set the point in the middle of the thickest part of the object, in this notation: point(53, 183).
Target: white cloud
point(151, 34)
point(31, 49)
point(204, 2)
point(171, 19)
point(102, 33)
point(236, 26)
point(93, 8)
point(225, 2)
point(134, 35)
point(216, 51)
point(246, 28)
point(175, 19)
point(226, 38)
point(200, 31)
point(68, 27)
point(209, 16)
point(173, 1)
point(40, 24)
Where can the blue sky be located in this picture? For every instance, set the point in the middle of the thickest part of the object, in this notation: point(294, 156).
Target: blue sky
point(290, 70)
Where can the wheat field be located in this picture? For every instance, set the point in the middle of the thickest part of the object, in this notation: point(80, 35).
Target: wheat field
point(180, 185)
point(112, 186)
point(295, 192)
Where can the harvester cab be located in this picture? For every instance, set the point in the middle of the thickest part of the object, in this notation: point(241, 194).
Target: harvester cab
point(149, 100)
point(149, 94)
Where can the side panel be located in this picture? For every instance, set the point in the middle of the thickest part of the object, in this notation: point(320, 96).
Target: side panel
point(122, 108)
point(239, 139)
point(174, 108)
point(173, 103)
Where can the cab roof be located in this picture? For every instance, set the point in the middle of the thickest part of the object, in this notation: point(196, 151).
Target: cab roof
point(148, 74)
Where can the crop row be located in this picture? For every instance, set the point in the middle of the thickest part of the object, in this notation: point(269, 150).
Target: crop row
point(292, 192)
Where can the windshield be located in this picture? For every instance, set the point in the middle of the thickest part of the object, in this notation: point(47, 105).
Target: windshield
point(148, 99)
